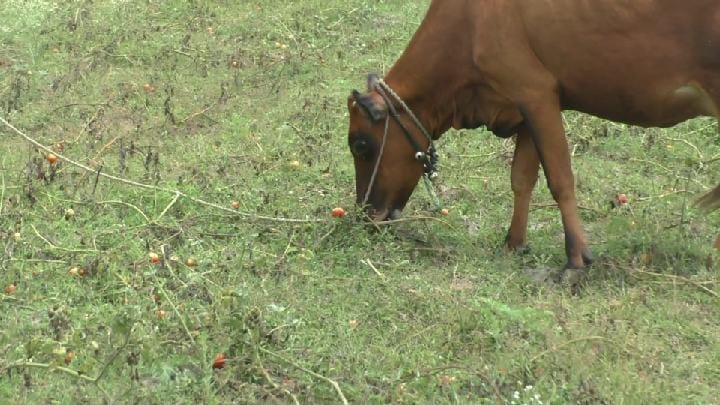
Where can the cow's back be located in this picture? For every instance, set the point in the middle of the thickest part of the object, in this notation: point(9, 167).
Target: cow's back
point(625, 60)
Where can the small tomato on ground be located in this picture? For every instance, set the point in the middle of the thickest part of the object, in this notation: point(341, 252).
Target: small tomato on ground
point(219, 361)
point(11, 289)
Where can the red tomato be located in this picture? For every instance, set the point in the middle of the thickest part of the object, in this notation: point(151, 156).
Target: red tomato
point(219, 361)
point(337, 212)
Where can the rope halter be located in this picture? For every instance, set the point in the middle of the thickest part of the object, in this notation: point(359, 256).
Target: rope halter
point(428, 158)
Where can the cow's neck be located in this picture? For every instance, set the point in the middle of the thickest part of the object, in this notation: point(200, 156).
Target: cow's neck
point(429, 73)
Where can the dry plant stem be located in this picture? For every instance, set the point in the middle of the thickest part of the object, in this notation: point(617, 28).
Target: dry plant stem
point(174, 200)
point(573, 341)
point(372, 266)
point(179, 315)
point(269, 379)
point(106, 147)
point(688, 143)
point(195, 114)
point(334, 384)
point(377, 224)
point(169, 268)
point(73, 373)
point(13, 259)
point(164, 190)
point(2, 191)
point(476, 372)
point(128, 205)
point(50, 367)
point(678, 278)
point(555, 205)
point(53, 246)
point(87, 124)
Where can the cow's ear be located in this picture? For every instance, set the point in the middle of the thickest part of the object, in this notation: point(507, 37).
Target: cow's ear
point(372, 104)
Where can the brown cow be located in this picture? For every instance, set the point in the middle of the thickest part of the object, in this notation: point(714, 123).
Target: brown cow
point(513, 66)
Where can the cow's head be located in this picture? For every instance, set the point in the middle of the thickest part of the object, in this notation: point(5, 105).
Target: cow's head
point(395, 167)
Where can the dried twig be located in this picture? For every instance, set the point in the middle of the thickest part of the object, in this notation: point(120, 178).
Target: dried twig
point(378, 224)
point(664, 195)
point(106, 147)
point(52, 261)
point(372, 266)
point(688, 143)
point(97, 177)
point(163, 249)
point(269, 379)
point(174, 200)
point(573, 341)
point(73, 373)
point(195, 114)
point(52, 367)
point(2, 191)
point(127, 205)
point(79, 104)
point(555, 205)
point(334, 384)
point(673, 277)
point(177, 312)
point(159, 189)
point(54, 246)
point(473, 371)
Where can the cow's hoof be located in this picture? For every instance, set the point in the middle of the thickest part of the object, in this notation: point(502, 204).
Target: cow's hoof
point(521, 249)
point(572, 278)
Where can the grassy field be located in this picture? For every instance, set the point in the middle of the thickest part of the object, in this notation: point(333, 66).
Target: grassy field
point(245, 101)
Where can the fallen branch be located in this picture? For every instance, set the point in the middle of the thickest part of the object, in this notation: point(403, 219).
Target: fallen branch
point(334, 384)
point(159, 189)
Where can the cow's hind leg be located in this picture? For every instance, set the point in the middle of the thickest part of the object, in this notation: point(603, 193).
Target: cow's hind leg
point(523, 177)
point(711, 200)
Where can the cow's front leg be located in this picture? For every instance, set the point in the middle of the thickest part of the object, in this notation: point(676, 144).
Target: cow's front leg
point(545, 123)
point(523, 177)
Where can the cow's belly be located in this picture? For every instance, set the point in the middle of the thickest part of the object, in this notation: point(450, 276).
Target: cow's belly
point(650, 62)
point(645, 104)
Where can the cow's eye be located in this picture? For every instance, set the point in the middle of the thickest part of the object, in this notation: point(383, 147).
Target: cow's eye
point(361, 148)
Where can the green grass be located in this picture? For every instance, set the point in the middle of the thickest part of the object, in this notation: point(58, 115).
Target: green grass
point(251, 86)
